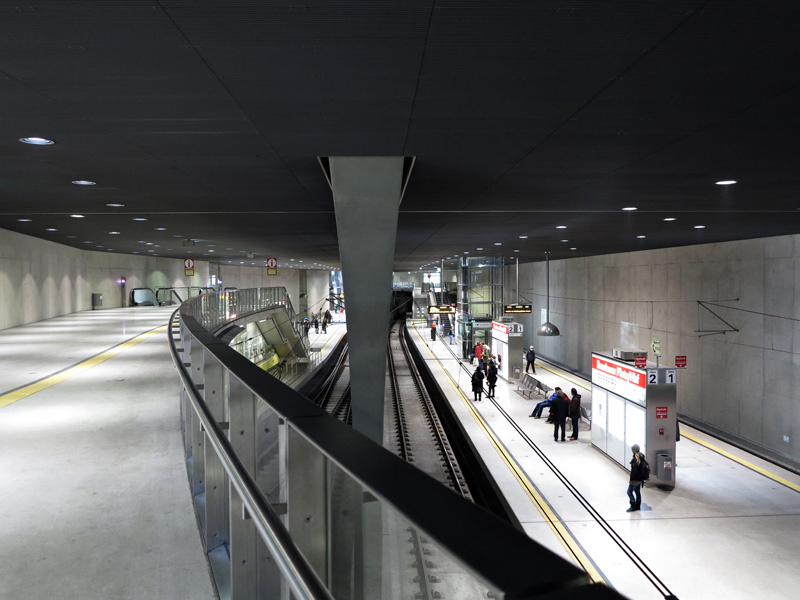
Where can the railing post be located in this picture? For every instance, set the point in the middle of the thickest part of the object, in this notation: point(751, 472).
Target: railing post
point(216, 482)
point(254, 574)
point(306, 497)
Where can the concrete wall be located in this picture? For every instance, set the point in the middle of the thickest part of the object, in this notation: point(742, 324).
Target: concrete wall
point(41, 279)
point(745, 383)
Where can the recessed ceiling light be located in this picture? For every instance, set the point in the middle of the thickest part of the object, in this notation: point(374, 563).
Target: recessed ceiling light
point(726, 182)
point(479, 248)
point(161, 228)
point(88, 242)
point(640, 237)
point(699, 226)
point(24, 220)
point(523, 237)
point(516, 250)
point(135, 252)
point(561, 226)
point(113, 232)
point(670, 219)
point(83, 182)
point(115, 205)
point(51, 229)
point(573, 248)
point(101, 246)
point(564, 240)
point(466, 252)
point(498, 243)
point(109, 249)
point(630, 208)
point(76, 216)
point(178, 236)
point(139, 219)
point(148, 243)
point(37, 141)
point(72, 237)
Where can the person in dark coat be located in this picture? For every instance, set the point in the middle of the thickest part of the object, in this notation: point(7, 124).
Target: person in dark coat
point(433, 331)
point(635, 482)
point(491, 379)
point(477, 384)
point(530, 356)
point(559, 408)
point(575, 412)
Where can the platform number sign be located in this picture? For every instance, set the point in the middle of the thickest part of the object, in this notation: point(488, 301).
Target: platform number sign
point(272, 266)
point(662, 376)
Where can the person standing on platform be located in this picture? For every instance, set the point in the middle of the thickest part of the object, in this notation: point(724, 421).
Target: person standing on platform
point(559, 408)
point(491, 378)
point(306, 326)
point(479, 353)
point(451, 336)
point(575, 412)
point(433, 331)
point(316, 325)
point(635, 482)
point(477, 384)
point(327, 317)
point(530, 356)
point(324, 324)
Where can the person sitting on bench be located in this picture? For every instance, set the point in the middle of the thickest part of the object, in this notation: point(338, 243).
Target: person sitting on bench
point(537, 411)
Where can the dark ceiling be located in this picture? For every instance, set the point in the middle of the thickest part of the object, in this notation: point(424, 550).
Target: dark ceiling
point(207, 117)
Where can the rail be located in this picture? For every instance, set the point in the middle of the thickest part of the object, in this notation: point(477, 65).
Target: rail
point(263, 462)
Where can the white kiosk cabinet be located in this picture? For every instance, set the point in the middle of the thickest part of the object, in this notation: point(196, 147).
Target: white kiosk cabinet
point(507, 343)
point(633, 405)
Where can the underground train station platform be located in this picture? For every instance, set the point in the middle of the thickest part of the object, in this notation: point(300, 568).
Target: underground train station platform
point(731, 518)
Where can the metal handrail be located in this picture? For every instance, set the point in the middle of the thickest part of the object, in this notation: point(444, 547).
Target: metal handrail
point(299, 573)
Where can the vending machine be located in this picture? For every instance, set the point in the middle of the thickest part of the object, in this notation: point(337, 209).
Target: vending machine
point(634, 402)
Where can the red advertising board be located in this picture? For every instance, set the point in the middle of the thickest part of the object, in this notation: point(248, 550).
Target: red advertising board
point(680, 361)
point(500, 327)
point(640, 362)
point(661, 412)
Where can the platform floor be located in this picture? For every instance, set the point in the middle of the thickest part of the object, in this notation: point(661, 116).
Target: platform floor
point(95, 501)
point(729, 529)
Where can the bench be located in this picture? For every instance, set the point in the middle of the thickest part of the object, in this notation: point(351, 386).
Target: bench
point(528, 385)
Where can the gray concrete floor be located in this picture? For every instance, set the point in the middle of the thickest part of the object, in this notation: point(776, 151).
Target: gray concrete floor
point(95, 499)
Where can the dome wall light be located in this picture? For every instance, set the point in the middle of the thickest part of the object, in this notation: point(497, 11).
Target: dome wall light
point(547, 329)
point(83, 182)
point(37, 141)
point(726, 182)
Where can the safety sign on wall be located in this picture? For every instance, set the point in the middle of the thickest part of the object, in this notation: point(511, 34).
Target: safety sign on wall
point(188, 267)
point(272, 266)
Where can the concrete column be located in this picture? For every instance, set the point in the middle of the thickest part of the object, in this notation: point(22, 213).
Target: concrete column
point(366, 197)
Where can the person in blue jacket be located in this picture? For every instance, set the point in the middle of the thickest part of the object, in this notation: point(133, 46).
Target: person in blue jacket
point(537, 410)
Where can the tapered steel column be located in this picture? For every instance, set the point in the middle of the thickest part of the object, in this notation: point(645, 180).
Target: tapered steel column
point(366, 197)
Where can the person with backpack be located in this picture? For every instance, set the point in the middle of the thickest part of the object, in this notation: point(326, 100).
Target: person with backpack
point(640, 472)
point(477, 384)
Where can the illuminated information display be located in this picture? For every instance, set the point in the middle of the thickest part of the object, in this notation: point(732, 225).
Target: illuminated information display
point(517, 308)
point(441, 310)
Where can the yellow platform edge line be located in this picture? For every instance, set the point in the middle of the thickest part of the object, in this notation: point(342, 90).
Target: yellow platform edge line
point(743, 462)
point(69, 372)
point(559, 529)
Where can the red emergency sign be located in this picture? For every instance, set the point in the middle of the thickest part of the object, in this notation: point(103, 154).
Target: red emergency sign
point(661, 412)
